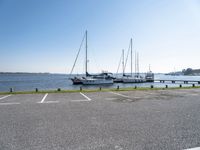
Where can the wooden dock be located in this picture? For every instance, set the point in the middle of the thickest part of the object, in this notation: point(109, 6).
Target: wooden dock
point(174, 81)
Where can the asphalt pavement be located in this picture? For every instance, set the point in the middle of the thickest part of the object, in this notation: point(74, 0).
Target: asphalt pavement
point(129, 120)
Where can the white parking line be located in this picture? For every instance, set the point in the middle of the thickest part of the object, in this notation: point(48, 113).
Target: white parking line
point(196, 148)
point(120, 94)
point(83, 100)
point(46, 102)
point(110, 99)
point(42, 101)
point(149, 93)
point(136, 97)
point(192, 94)
point(9, 103)
point(5, 97)
point(85, 96)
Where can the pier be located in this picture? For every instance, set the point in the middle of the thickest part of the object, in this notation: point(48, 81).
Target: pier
point(174, 81)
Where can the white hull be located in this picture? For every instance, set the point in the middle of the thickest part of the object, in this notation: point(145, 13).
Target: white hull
point(149, 77)
point(133, 80)
point(118, 80)
point(92, 81)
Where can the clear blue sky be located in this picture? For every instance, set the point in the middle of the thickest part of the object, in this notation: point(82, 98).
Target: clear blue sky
point(44, 35)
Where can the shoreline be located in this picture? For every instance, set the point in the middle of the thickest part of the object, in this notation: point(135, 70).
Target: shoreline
point(99, 90)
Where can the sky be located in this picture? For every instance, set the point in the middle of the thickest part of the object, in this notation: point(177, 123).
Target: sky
point(45, 35)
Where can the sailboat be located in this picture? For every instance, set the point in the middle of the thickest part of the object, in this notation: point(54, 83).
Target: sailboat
point(88, 79)
point(136, 78)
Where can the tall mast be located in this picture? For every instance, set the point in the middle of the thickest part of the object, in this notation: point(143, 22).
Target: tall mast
point(138, 63)
point(149, 67)
point(86, 60)
point(135, 63)
point(131, 59)
point(123, 61)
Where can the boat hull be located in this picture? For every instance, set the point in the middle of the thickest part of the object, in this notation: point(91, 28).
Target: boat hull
point(96, 81)
point(118, 80)
point(133, 80)
point(149, 77)
point(76, 81)
point(149, 80)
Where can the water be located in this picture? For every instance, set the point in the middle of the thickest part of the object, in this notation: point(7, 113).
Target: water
point(28, 82)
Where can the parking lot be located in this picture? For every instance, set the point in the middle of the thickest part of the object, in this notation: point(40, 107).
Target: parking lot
point(151, 119)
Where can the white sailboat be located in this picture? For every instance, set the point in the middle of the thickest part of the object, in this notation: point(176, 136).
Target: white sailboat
point(136, 78)
point(103, 78)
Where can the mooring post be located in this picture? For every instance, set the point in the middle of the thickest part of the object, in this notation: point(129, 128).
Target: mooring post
point(36, 89)
point(166, 86)
point(11, 90)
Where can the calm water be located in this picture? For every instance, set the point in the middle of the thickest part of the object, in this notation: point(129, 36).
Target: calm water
point(28, 82)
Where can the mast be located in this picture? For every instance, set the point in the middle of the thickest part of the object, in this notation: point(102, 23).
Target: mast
point(77, 54)
point(119, 64)
point(123, 61)
point(149, 67)
point(131, 59)
point(135, 63)
point(86, 59)
point(138, 64)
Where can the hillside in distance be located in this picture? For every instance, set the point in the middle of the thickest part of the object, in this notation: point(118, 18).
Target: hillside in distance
point(191, 72)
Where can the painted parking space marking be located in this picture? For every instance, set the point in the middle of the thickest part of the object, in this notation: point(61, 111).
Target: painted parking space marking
point(193, 94)
point(144, 93)
point(88, 99)
point(81, 100)
point(119, 94)
point(151, 93)
point(136, 97)
point(110, 99)
point(47, 102)
point(195, 148)
point(9, 103)
point(45, 96)
point(4, 97)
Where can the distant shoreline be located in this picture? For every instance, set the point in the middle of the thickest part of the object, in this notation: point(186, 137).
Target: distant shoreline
point(48, 73)
point(28, 73)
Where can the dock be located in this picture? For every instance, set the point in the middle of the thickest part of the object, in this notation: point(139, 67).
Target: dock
point(174, 81)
